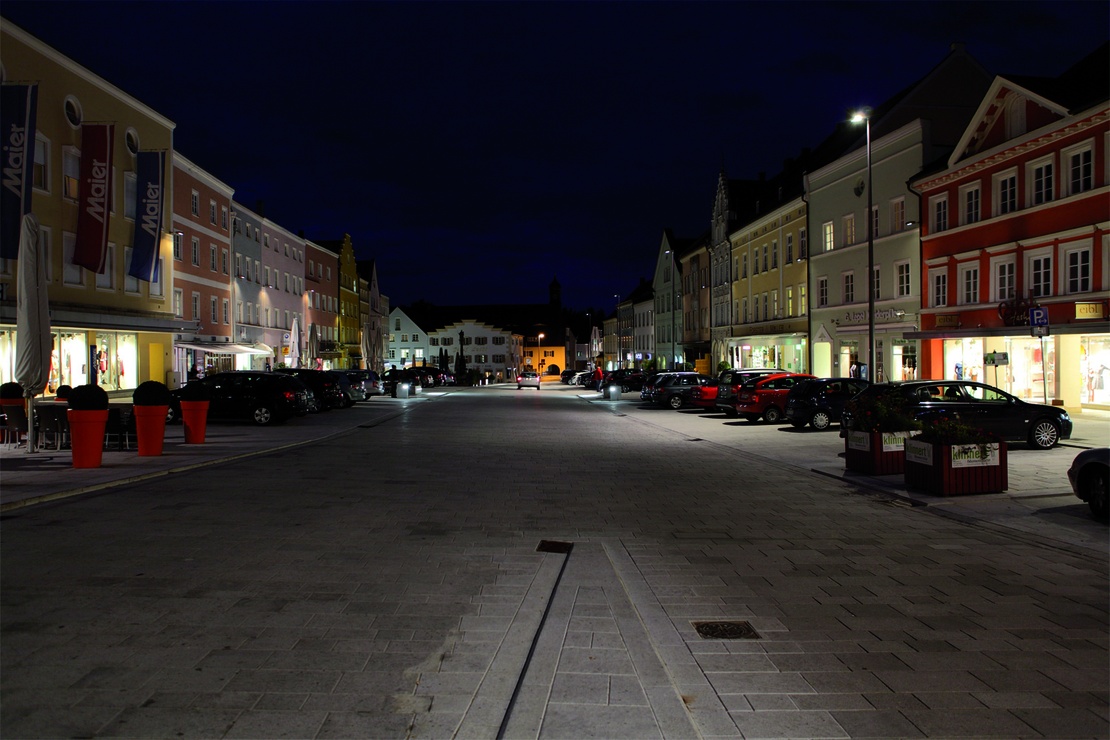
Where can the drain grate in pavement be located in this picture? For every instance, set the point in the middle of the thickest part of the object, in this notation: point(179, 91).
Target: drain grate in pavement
point(554, 546)
point(726, 630)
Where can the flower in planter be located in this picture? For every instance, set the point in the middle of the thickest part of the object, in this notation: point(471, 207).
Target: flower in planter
point(88, 397)
point(882, 412)
point(151, 393)
point(194, 391)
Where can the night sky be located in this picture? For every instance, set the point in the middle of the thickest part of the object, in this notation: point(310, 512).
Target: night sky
point(477, 150)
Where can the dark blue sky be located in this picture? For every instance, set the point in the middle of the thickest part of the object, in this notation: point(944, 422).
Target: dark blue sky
point(477, 150)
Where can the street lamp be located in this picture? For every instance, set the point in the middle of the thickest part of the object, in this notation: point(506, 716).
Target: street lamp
point(864, 115)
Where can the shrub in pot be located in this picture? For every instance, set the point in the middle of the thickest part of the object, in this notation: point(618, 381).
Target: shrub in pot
point(882, 423)
point(88, 416)
point(151, 403)
point(194, 398)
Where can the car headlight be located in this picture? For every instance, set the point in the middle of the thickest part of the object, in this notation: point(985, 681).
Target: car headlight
point(1064, 415)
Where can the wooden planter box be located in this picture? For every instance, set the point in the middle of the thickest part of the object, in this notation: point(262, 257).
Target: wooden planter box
point(954, 470)
point(875, 453)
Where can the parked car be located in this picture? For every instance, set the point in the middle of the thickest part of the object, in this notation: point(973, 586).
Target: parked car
point(579, 378)
point(673, 389)
point(395, 375)
point(567, 375)
point(627, 378)
point(261, 397)
point(328, 394)
point(1089, 475)
point(649, 383)
point(993, 410)
point(765, 397)
point(819, 401)
point(368, 379)
point(732, 379)
point(528, 379)
point(705, 396)
point(353, 394)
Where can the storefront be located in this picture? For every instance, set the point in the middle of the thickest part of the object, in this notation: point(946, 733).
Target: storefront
point(786, 351)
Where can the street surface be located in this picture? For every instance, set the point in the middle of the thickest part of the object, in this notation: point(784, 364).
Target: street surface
point(490, 563)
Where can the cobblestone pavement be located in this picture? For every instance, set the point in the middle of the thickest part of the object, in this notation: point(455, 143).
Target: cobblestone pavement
point(500, 564)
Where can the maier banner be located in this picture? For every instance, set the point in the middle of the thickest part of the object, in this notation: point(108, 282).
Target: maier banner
point(17, 137)
point(95, 196)
point(150, 167)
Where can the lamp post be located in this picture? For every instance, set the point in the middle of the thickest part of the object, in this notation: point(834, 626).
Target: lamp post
point(864, 115)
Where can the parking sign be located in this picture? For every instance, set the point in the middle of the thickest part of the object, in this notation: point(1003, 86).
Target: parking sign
point(1038, 317)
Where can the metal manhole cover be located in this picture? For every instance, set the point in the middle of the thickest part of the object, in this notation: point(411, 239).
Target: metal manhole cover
point(726, 630)
point(554, 546)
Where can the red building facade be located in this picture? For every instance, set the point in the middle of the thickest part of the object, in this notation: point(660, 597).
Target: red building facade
point(1015, 243)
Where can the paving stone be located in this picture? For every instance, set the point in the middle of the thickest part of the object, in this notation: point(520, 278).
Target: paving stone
point(953, 722)
point(788, 725)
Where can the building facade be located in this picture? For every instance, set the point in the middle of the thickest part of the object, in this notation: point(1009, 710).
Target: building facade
point(108, 327)
point(321, 312)
point(667, 288)
point(1016, 234)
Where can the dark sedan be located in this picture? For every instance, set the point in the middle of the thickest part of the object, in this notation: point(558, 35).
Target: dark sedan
point(819, 402)
point(977, 404)
point(325, 387)
point(264, 398)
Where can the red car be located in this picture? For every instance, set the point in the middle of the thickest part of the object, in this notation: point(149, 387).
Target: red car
point(704, 396)
point(766, 397)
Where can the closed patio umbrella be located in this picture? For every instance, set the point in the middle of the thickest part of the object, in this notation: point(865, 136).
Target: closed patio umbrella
point(295, 344)
point(32, 321)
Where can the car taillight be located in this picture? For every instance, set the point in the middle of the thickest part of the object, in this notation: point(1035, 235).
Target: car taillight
point(289, 395)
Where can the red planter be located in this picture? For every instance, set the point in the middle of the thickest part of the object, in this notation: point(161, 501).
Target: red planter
point(955, 470)
point(86, 437)
point(875, 453)
point(194, 417)
point(150, 429)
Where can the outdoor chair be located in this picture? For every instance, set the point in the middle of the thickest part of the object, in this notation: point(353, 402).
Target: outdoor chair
point(121, 426)
point(53, 425)
point(15, 424)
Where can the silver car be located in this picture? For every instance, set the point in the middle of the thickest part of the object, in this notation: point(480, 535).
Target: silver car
point(528, 379)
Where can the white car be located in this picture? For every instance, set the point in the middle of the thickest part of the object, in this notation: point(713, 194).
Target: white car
point(528, 379)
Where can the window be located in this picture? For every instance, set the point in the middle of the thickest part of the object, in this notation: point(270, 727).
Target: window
point(227, 311)
point(40, 176)
point(744, 265)
point(829, 236)
point(765, 258)
point(178, 303)
point(196, 306)
point(774, 305)
point(1041, 180)
point(1040, 275)
point(875, 273)
point(902, 277)
point(196, 251)
point(215, 309)
point(774, 255)
point(789, 300)
point(106, 280)
point(874, 221)
point(71, 274)
point(938, 281)
point(212, 211)
point(194, 203)
point(940, 213)
point(177, 237)
point(822, 291)
point(1005, 196)
point(257, 272)
point(802, 299)
point(803, 244)
point(969, 284)
point(71, 172)
point(789, 257)
point(969, 198)
point(744, 311)
point(849, 222)
point(212, 257)
point(1004, 279)
point(849, 282)
point(1080, 172)
point(1078, 263)
point(223, 262)
point(156, 284)
point(130, 284)
point(897, 214)
point(223, 216)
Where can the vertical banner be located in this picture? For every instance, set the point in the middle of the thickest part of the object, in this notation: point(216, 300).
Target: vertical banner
point(95, 196)
point(150, 171)
point(18, 104)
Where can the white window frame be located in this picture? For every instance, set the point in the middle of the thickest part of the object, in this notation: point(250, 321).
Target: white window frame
point(876, 281)
point(822, 291)
point(996, 192)
point(157, 288)
point(196, 251)
point(848, 287)
point(897, 214)
point(938, 213)
point(1000, 293)
point(903, 279)
point(179, 303)
point(848, 225)
point(828, 236)
point(41, 165)
point(966, 271)
point(196, 306)
point(71, 173)
point(1085, 283)
point(194, 203)
point(1035, 196)
point(1067, 187)
point(969, 215)
point(214, 309)
point(1035, 261)
point(938, 287)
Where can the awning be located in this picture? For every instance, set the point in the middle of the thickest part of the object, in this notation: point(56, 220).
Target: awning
point(224, 348)
point(1094, 327)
